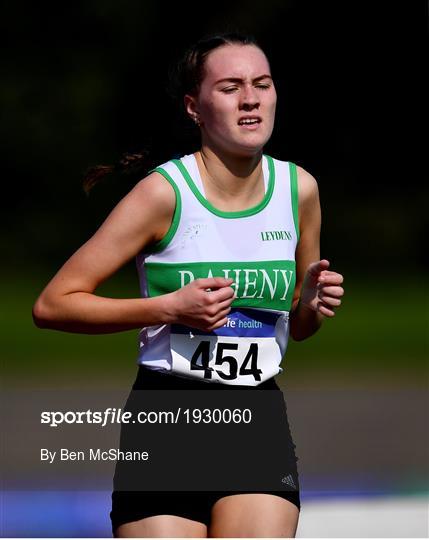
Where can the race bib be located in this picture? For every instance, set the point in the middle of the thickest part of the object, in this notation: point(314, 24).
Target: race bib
point(247, 350)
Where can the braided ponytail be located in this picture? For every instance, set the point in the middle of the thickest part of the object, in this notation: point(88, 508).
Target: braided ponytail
point(128, 164)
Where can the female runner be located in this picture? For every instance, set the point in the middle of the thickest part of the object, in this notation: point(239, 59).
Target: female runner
point(225, 238)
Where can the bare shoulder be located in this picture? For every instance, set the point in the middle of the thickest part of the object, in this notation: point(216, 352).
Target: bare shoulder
point(155, 188)
point(308, 188)
point(156, 196)
point(141, 217)
point(309, 212)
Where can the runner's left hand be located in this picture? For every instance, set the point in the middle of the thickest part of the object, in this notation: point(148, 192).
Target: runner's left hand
point(321, 290)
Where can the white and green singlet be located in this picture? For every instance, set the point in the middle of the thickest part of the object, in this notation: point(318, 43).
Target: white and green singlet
point(256, 247)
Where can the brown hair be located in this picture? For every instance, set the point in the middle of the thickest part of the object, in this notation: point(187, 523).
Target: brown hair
point(185, 77)
point(129, 163)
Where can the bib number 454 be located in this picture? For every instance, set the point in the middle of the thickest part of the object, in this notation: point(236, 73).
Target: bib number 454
point(249, 365)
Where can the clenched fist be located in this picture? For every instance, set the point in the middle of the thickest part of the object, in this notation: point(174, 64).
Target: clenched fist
point(321, 290)
point(204, 303)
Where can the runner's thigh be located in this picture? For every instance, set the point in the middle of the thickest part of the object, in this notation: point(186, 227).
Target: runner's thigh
point(162, 526)
point(253, 515)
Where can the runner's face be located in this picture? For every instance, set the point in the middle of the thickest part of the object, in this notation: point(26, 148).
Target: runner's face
point(237, 84)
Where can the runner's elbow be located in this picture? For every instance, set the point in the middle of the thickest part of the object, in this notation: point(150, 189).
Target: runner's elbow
point(42, 313)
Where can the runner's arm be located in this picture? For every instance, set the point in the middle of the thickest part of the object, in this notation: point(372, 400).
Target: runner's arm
point(68, 302)
point(304, 322)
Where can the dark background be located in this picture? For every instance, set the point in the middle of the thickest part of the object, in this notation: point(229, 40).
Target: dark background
point(84, 82)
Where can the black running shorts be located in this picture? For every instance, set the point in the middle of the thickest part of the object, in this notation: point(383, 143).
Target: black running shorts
point(128, 506)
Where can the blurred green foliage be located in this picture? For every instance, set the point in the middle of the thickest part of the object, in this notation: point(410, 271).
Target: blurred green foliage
point(82, 83)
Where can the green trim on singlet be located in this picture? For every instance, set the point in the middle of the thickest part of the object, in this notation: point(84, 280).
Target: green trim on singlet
point(258, 284)
point(241, 213)
point(294, 196)
point(163, 243)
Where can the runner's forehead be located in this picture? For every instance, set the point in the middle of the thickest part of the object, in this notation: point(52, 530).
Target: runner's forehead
point(236, 62)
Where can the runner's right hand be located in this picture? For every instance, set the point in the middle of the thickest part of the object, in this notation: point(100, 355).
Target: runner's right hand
point(193, 305)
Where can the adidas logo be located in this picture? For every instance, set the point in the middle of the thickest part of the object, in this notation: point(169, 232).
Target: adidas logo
point(289, 481)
